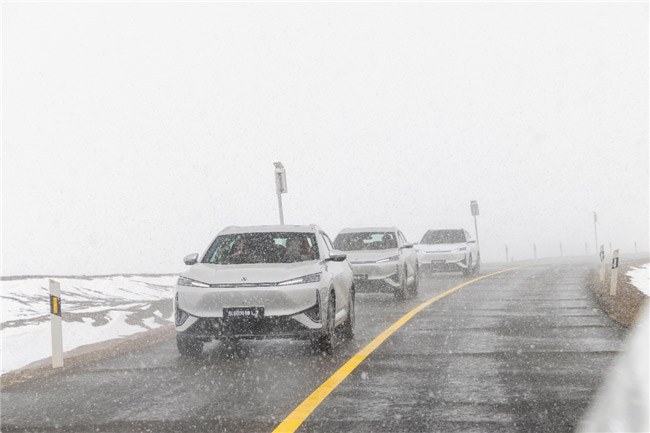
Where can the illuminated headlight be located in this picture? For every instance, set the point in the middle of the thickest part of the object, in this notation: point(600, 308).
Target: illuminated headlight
point(388, 259)
point(311, 278)
point(458, 250)
point(184, 281)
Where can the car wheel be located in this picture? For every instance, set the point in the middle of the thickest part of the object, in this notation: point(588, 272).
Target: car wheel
point(400, 291)
point(468, 270)
point(348, 326)
point(188, 346)
point(325, 343)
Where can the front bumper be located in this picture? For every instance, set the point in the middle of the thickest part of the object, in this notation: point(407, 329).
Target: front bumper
point(376, 277)
point(289, 312)
point(443, 261)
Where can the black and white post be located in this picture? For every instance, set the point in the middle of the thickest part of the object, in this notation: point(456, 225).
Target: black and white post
point(474, 208)
point(602, 263)
point(55, 322)
point(596, 229)
point(280, 186)
point(614, 280)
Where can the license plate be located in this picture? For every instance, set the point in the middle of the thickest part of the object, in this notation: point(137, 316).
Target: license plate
point(243, 313)
point(361, 277)
point(438, 262)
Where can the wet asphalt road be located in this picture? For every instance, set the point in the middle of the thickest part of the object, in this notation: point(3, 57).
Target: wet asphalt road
point(520, 351)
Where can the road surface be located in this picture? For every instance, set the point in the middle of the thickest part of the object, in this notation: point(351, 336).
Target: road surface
point(520, 351)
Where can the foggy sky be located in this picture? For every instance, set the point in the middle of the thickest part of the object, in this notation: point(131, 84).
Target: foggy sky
point(132, 133)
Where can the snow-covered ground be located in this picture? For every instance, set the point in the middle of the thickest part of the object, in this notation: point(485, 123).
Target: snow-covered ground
point(640, 277)
point(94, 309)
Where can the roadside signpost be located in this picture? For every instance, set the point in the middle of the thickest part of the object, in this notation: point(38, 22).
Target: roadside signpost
point(614, 280)
point(474, 208)
point(55, 322)
point(280, 186)
point(506, 253)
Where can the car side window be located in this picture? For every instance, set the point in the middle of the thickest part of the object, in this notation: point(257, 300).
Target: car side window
point(328, 242)
point(402, 238)
point(467, 236)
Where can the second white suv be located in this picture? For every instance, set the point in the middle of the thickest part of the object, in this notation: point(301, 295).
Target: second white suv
point(381, 259)
point(449, 250)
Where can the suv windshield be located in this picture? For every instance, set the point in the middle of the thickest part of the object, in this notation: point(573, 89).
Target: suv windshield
point(246, 248)
point(365, 241)
point(443, 237)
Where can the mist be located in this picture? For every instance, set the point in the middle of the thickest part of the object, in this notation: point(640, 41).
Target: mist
point(133, 133)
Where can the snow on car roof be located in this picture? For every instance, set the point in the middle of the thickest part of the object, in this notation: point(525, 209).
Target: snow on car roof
point(270, 229)
point(369, 229)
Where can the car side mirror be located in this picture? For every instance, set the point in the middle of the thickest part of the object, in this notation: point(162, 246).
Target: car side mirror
point(191, 259)
point(408, 245)
point(337, 256)
point(472, 241)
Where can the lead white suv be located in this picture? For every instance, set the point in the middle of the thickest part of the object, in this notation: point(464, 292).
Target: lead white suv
point(449, 250)
point(382, 260)
point(265, 282)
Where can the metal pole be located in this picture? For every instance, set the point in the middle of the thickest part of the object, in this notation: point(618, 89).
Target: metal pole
point(535, 251)
point(476, 231)
point(280, 208)
point(561, 254)
point(506, 253)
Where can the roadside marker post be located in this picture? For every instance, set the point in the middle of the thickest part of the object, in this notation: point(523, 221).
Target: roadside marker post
point(55, 322)
point(473, 206)
point(280, 186)
point(614, 280)
point(602, 263)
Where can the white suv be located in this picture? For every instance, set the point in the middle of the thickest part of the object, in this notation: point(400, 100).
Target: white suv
point(449, 250)
point(265, 282)
point(382, 260)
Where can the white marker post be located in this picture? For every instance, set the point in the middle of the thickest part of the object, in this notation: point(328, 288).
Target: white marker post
point(55, 321)
point(280, 186)
point(602, 263)
point(614, 281)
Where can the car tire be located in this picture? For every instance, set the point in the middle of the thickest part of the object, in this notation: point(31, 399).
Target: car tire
point(188, 346)
point(416, 282)
point(325, 342)
point(348, 326)
point(400, 291)
point(468, 270)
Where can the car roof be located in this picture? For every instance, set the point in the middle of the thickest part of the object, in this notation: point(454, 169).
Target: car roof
point(368, 229)
point(445, 230)
point(312, 228)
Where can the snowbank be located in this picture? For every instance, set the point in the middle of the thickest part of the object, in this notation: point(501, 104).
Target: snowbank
point(94, 310)
point(640, 277)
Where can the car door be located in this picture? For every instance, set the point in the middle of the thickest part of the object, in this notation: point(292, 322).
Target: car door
point(471, 247)
point(407, 255)
point(341, 276)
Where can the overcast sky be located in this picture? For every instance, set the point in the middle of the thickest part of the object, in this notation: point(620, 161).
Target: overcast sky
point(132, 133)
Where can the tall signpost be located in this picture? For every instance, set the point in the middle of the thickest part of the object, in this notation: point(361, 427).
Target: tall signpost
point(474, 208)
point(280, 186)
point(596, 229)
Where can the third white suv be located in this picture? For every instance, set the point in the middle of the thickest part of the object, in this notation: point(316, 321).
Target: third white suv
point(449, 250)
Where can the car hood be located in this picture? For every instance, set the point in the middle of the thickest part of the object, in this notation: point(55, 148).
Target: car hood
point(439, 248)
point(370, 255)
point(250, 273)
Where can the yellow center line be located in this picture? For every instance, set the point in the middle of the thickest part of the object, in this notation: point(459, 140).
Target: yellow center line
point(295, 419)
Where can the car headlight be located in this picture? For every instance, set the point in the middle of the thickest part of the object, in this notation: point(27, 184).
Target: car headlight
point(184, 281)
point(311, 278)
point(388, 259)
point(458, 250)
